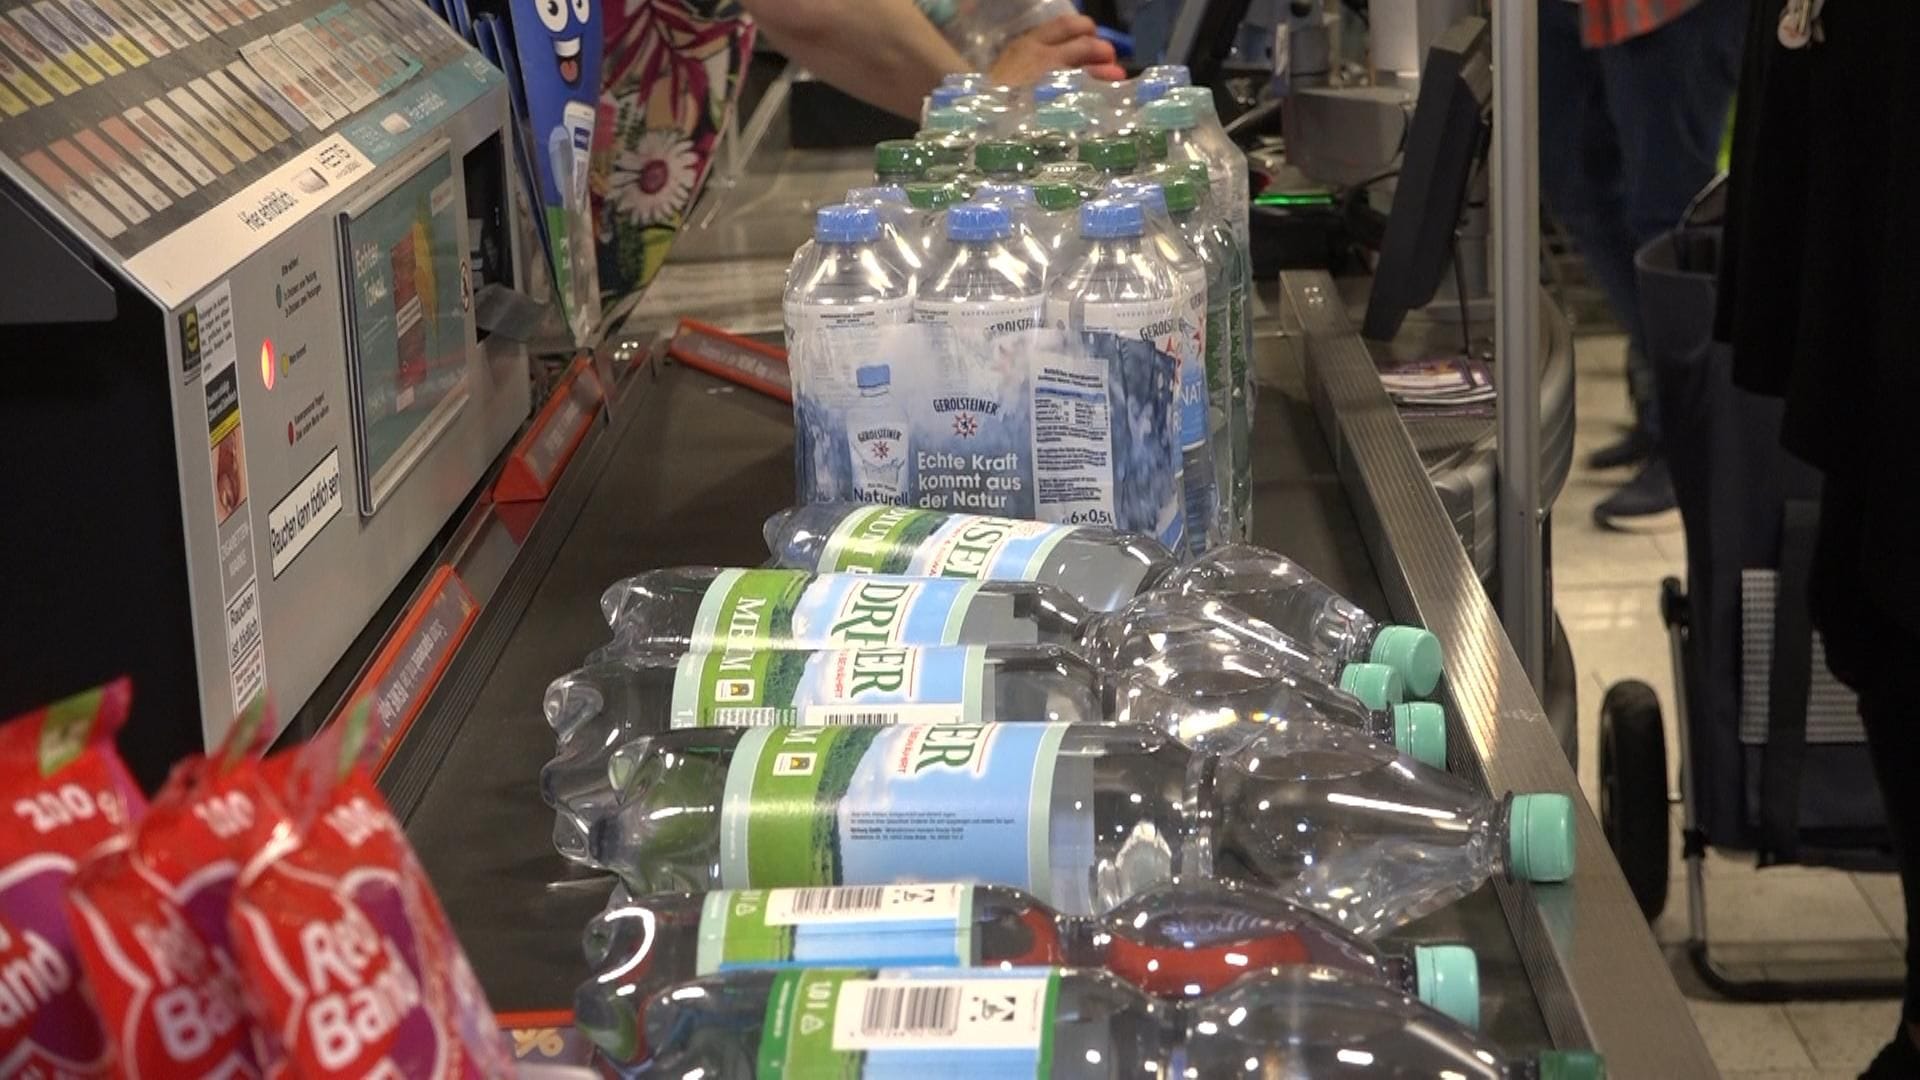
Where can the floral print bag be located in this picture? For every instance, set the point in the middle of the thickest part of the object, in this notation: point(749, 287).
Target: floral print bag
point(673, 70)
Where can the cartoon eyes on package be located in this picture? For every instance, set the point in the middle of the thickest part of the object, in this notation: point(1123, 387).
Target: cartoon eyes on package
point(353, 967)
point(150, 919)
point(67, 791)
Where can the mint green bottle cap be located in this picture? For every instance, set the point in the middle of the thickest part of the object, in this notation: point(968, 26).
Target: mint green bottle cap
point(1540, 837)
point(1572, 1065)
point(1447, 977)
point(1376, 685)
point(1420, 732)
point(1413, 652)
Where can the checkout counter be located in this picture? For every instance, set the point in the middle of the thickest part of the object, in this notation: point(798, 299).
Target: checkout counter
point(677, 466)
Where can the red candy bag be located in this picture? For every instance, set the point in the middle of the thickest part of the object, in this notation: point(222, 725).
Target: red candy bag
point(352, 969)
point(150, 917)
point(67, 791)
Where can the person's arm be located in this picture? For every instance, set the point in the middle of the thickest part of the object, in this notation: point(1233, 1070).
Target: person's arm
point(884, 52)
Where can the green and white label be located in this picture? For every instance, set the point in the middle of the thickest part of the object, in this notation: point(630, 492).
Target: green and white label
point(933, 543)
point(752, 687)
point(909, 1025)
point(770, 609)
point(927, 925)
point(883, 805)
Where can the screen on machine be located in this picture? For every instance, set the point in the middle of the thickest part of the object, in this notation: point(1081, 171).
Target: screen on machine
point(409, 325)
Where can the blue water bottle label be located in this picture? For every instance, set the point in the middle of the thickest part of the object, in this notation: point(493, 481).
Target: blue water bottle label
point(851, 926)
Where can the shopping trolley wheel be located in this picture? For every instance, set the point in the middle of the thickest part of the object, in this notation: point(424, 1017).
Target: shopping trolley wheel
point(1633, 790)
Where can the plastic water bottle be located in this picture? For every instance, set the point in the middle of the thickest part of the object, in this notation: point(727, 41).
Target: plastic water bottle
point(1180, 941)
point(879, 437)
point(1083, 816)
point(1227, 383)
point(1280, 593)
point(1293, 1022)
point(1198, 469)
point(1055, 131)
point(1215, 696)
point(942, 97)
point(1223, 153)
point(1113, 155)
point(910, 1022)
point(954, 131)
point(1015, 202)
point(1175, 74)
point(702, 607)
point(1101, 568)
point(998, 116)
point(1121, 286)
point(1155, 147)
point(900, 161)
point(1163, 620)
point(1006, 159)
point(1085, 178)
point(929, 202)
point(1213, 242)
point(898, 225)
point(1057, 224)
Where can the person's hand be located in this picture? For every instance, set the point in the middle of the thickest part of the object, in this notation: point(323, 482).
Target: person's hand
point(1066, 42)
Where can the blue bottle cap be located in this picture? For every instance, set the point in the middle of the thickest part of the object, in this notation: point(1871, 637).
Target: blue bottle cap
point(877, 195)
point(873, 376)
point(1150, 91)
point(843, 224)
point(1004, 194)
point(1171, 113)
point(1148, 193)
point(946, 94)
point(1047, 93)
point(1177, 74)
point(1112, 219)
point(1447, 977)
point(979, 221)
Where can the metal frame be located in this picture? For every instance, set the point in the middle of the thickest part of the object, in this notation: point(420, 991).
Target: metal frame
point(1598, 976)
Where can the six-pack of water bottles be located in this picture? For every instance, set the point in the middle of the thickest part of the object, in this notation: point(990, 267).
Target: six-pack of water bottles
point(990, 796)
point(1039, 311)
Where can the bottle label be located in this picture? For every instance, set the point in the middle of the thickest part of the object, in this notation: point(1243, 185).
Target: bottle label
point(929, 543)
point(1193, 360)
point(872, 1024)
point(755, 687)
point(770, 609)
point(982, 320)
point(851, 926)
point(879, 805)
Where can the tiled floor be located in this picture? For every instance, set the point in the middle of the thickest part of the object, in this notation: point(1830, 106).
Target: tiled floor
point(1785, 923)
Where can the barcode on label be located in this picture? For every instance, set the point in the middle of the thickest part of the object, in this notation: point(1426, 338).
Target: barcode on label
point(910, 1011)
point(1005, 1013)
point(870, 714)
point(751, 716)
point(831, 716)
point(864, 904)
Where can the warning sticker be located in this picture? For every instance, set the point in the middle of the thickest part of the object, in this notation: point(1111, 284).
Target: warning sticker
point(207, 329)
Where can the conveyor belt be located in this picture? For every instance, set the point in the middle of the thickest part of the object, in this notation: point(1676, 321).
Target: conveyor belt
point(686, 474)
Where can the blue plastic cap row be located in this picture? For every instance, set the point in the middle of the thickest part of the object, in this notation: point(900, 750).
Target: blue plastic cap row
point(979, 221)
point(843, 224)
point(1112, 219)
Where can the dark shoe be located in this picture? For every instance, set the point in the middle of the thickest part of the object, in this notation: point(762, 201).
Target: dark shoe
point(1629, 450)
point(1898, 1060)
point(1644, 504)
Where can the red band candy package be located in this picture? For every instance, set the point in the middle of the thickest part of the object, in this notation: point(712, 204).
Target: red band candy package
point(150, 916)
point(67, 791)
point(352, 967)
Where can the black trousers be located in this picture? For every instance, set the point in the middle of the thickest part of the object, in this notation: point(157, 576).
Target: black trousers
point(1874, 652)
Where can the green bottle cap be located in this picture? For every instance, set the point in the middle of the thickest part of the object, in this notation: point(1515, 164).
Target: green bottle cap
point(1169, 112)
point(901, 157)
point(1413, 652)
point(1180, 196)
point(1058, 117)
point(1447, 977)
point(1006, 157)
point(1540, 837)
point(930, 195)
point(1056, 195)
point(951, 155)
point(1420, 732)
point(1376, 685)
point(1114, 154)
point(1572, 1065)
point(1153, 144)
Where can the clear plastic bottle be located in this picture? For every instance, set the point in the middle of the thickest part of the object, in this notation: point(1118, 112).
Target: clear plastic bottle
point(1057, 224)
point(1214, 696)
point(999, 118)
point(1055, 132)
point(1083, 816)
point(1198, 467)
point(1101, 568)
point(1279, 592)
point(1229, 384)
point(1190, 939)
point(910, 1022)
point(1293, 1023)
point(954, 130)
point(624, 697)
point(1002, 218)
point(1113, 155)
point(675, 610)
point(1008, 160)
point(898, 225)
point(1084, 177)
point(901, 161)
point(1121, 286)
point(1165, 619)
point(1235, 200)
point(1179, 941)
point(1173, 74)
point(879, 438)
point(1213, 241)
point(929, 202)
